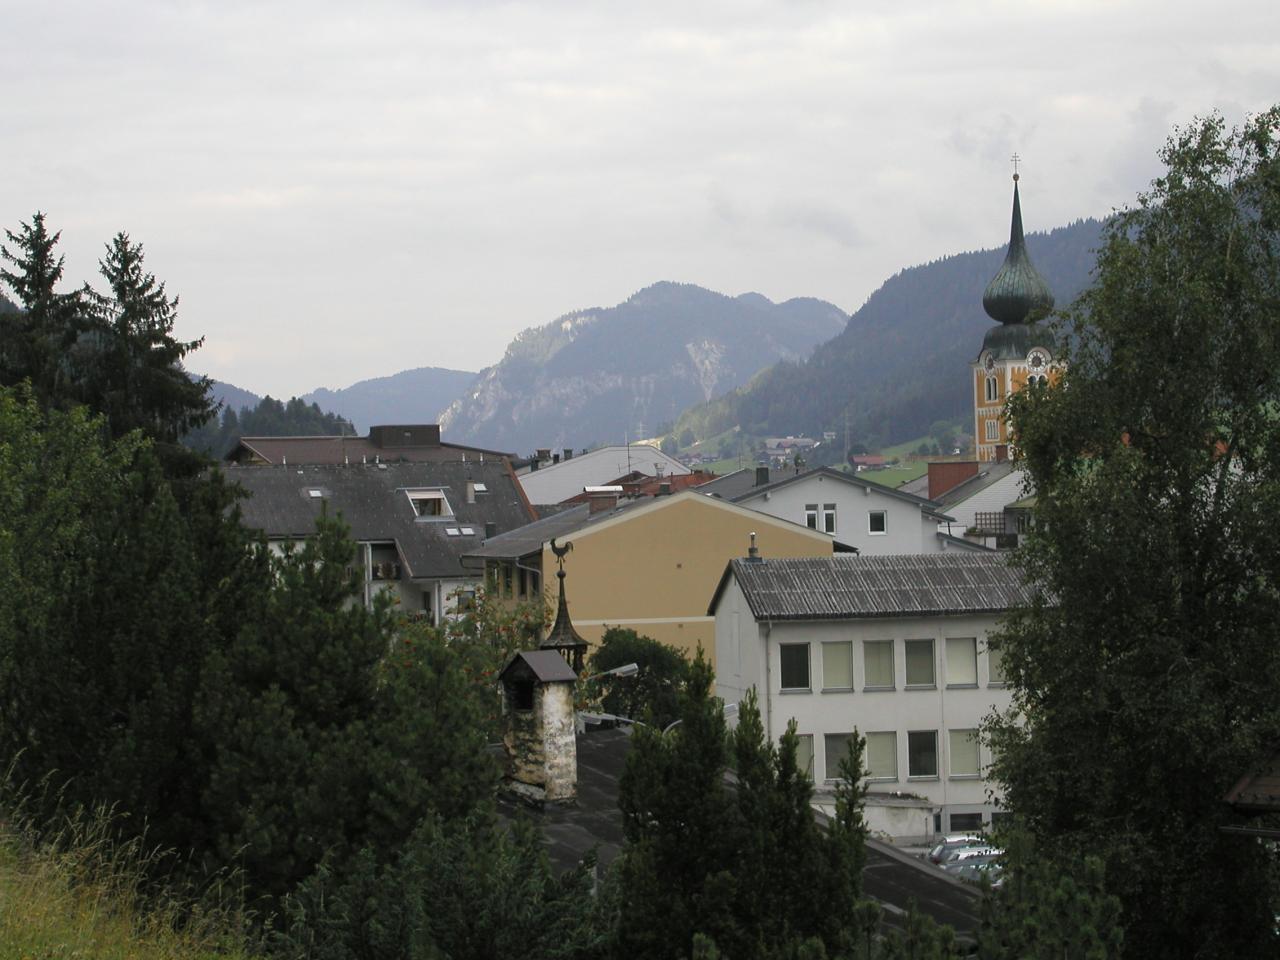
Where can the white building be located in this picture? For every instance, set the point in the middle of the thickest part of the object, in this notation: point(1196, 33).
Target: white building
point(895, 647)
point(858, 513)
point(565, 478)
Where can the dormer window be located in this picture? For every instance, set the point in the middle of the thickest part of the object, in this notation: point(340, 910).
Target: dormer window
point(429, 503)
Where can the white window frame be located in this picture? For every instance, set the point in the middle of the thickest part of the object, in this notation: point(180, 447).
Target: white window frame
point(811, 516)
point(826, 646)
point(995, 658)
point(970, 734)
point(958, 649)
point(936, 758)
point(417, 497)
point(933, 664)
point(866, 684)
point(992, 429)
point(884, 523)
point(993, 389)
point(808, 657)
point(828, 518)
point(893, 753)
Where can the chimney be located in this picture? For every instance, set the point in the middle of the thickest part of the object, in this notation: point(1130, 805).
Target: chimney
point(601, 499)
point(762, 476)
point(542, 453)
point(533, 464)
point(945, 475)
point(555, 458)
point(753, 552)
point(490, 529)
point(568, 453)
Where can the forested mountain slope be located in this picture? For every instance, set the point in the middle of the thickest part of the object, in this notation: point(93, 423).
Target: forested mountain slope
point(902, 361)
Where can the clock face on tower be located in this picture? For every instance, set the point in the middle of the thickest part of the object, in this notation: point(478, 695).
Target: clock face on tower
point(1037, 360)
point(990, 362)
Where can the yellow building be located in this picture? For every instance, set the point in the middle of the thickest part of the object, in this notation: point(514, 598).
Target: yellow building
point(1017, 352)
point(649, 565)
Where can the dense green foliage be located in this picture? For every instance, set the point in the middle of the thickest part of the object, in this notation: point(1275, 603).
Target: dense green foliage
point(746, 868)
point(269, 418)
point(1145, 684)
point(902, 362)
point(470, 890)
point(112, 352)
point(653, 694)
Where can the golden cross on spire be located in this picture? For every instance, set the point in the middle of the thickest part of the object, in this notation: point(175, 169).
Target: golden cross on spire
point(1015, 159)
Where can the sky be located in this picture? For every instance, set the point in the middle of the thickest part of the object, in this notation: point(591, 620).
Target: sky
point(339, 191)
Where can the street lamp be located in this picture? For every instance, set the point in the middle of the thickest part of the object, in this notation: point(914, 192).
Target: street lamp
point(730, 710)
point(626, 670)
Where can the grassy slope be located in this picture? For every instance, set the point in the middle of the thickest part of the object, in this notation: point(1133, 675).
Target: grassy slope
point(65, 905)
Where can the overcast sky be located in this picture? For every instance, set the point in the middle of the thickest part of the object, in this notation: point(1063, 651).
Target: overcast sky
point(345, 190)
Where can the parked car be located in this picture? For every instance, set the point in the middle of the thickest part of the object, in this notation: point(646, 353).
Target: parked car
point(973, 869)
point(969, 851)
point(954, 842)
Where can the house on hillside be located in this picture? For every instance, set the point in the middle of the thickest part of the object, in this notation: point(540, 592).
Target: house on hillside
point(413, 521)
point(650, 565)
point(865, 516)
point(566, 476)
point(414, 443)
point(896, 647)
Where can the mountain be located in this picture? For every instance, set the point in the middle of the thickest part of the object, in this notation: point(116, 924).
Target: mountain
point(411, 396)
point(902, 362)
point(605, 374)
point(230, 397)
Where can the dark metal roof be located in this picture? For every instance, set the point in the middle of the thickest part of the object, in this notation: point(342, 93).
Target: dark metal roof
point(372, 500)
point(347, 450)
point(1017, 289)
point(844, 587)
point(530, 538)
point(734, 485)
point(547, 666)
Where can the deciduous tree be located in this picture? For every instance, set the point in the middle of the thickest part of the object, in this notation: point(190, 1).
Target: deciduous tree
point(1145, 682)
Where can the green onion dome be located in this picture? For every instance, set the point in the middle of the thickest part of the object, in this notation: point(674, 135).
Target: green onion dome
point(1017, 289)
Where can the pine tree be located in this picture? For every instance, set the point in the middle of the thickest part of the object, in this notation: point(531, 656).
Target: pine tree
point(36, 342)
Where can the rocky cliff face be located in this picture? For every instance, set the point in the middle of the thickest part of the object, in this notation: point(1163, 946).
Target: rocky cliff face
point(605, 375)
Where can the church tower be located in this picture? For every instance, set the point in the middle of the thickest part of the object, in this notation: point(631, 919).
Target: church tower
point(1017, 352)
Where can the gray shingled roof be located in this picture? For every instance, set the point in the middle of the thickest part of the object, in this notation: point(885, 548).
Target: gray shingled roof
point(845, 587)
point(371, 499)
point(547, 666)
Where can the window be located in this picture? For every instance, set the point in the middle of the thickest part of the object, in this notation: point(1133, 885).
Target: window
point(837, 665)
point(795, 666)
point(836, 745)
point(966, 822)
point(919, 659)
point(962, 662)
point(804, 754)
point(506, 579)
point(963, 747)
point(811, 516)
point(520, 694)
point(993, 430)
point(877, 656)
point(828, 518)
point(522, 582)
point(995, 663)
point(922, 753)
point(993, 390)
point(429, 503)
point(882, 756)
point(877, 522)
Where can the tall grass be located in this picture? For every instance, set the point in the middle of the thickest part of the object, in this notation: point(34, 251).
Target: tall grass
point(73, 889)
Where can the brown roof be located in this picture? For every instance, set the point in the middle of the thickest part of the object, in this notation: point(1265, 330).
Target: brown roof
point(1259, 790)
point(408, 443)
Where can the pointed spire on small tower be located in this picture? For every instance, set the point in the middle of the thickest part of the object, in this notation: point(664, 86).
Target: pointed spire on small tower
point(1017, 289)
point(563, 636)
